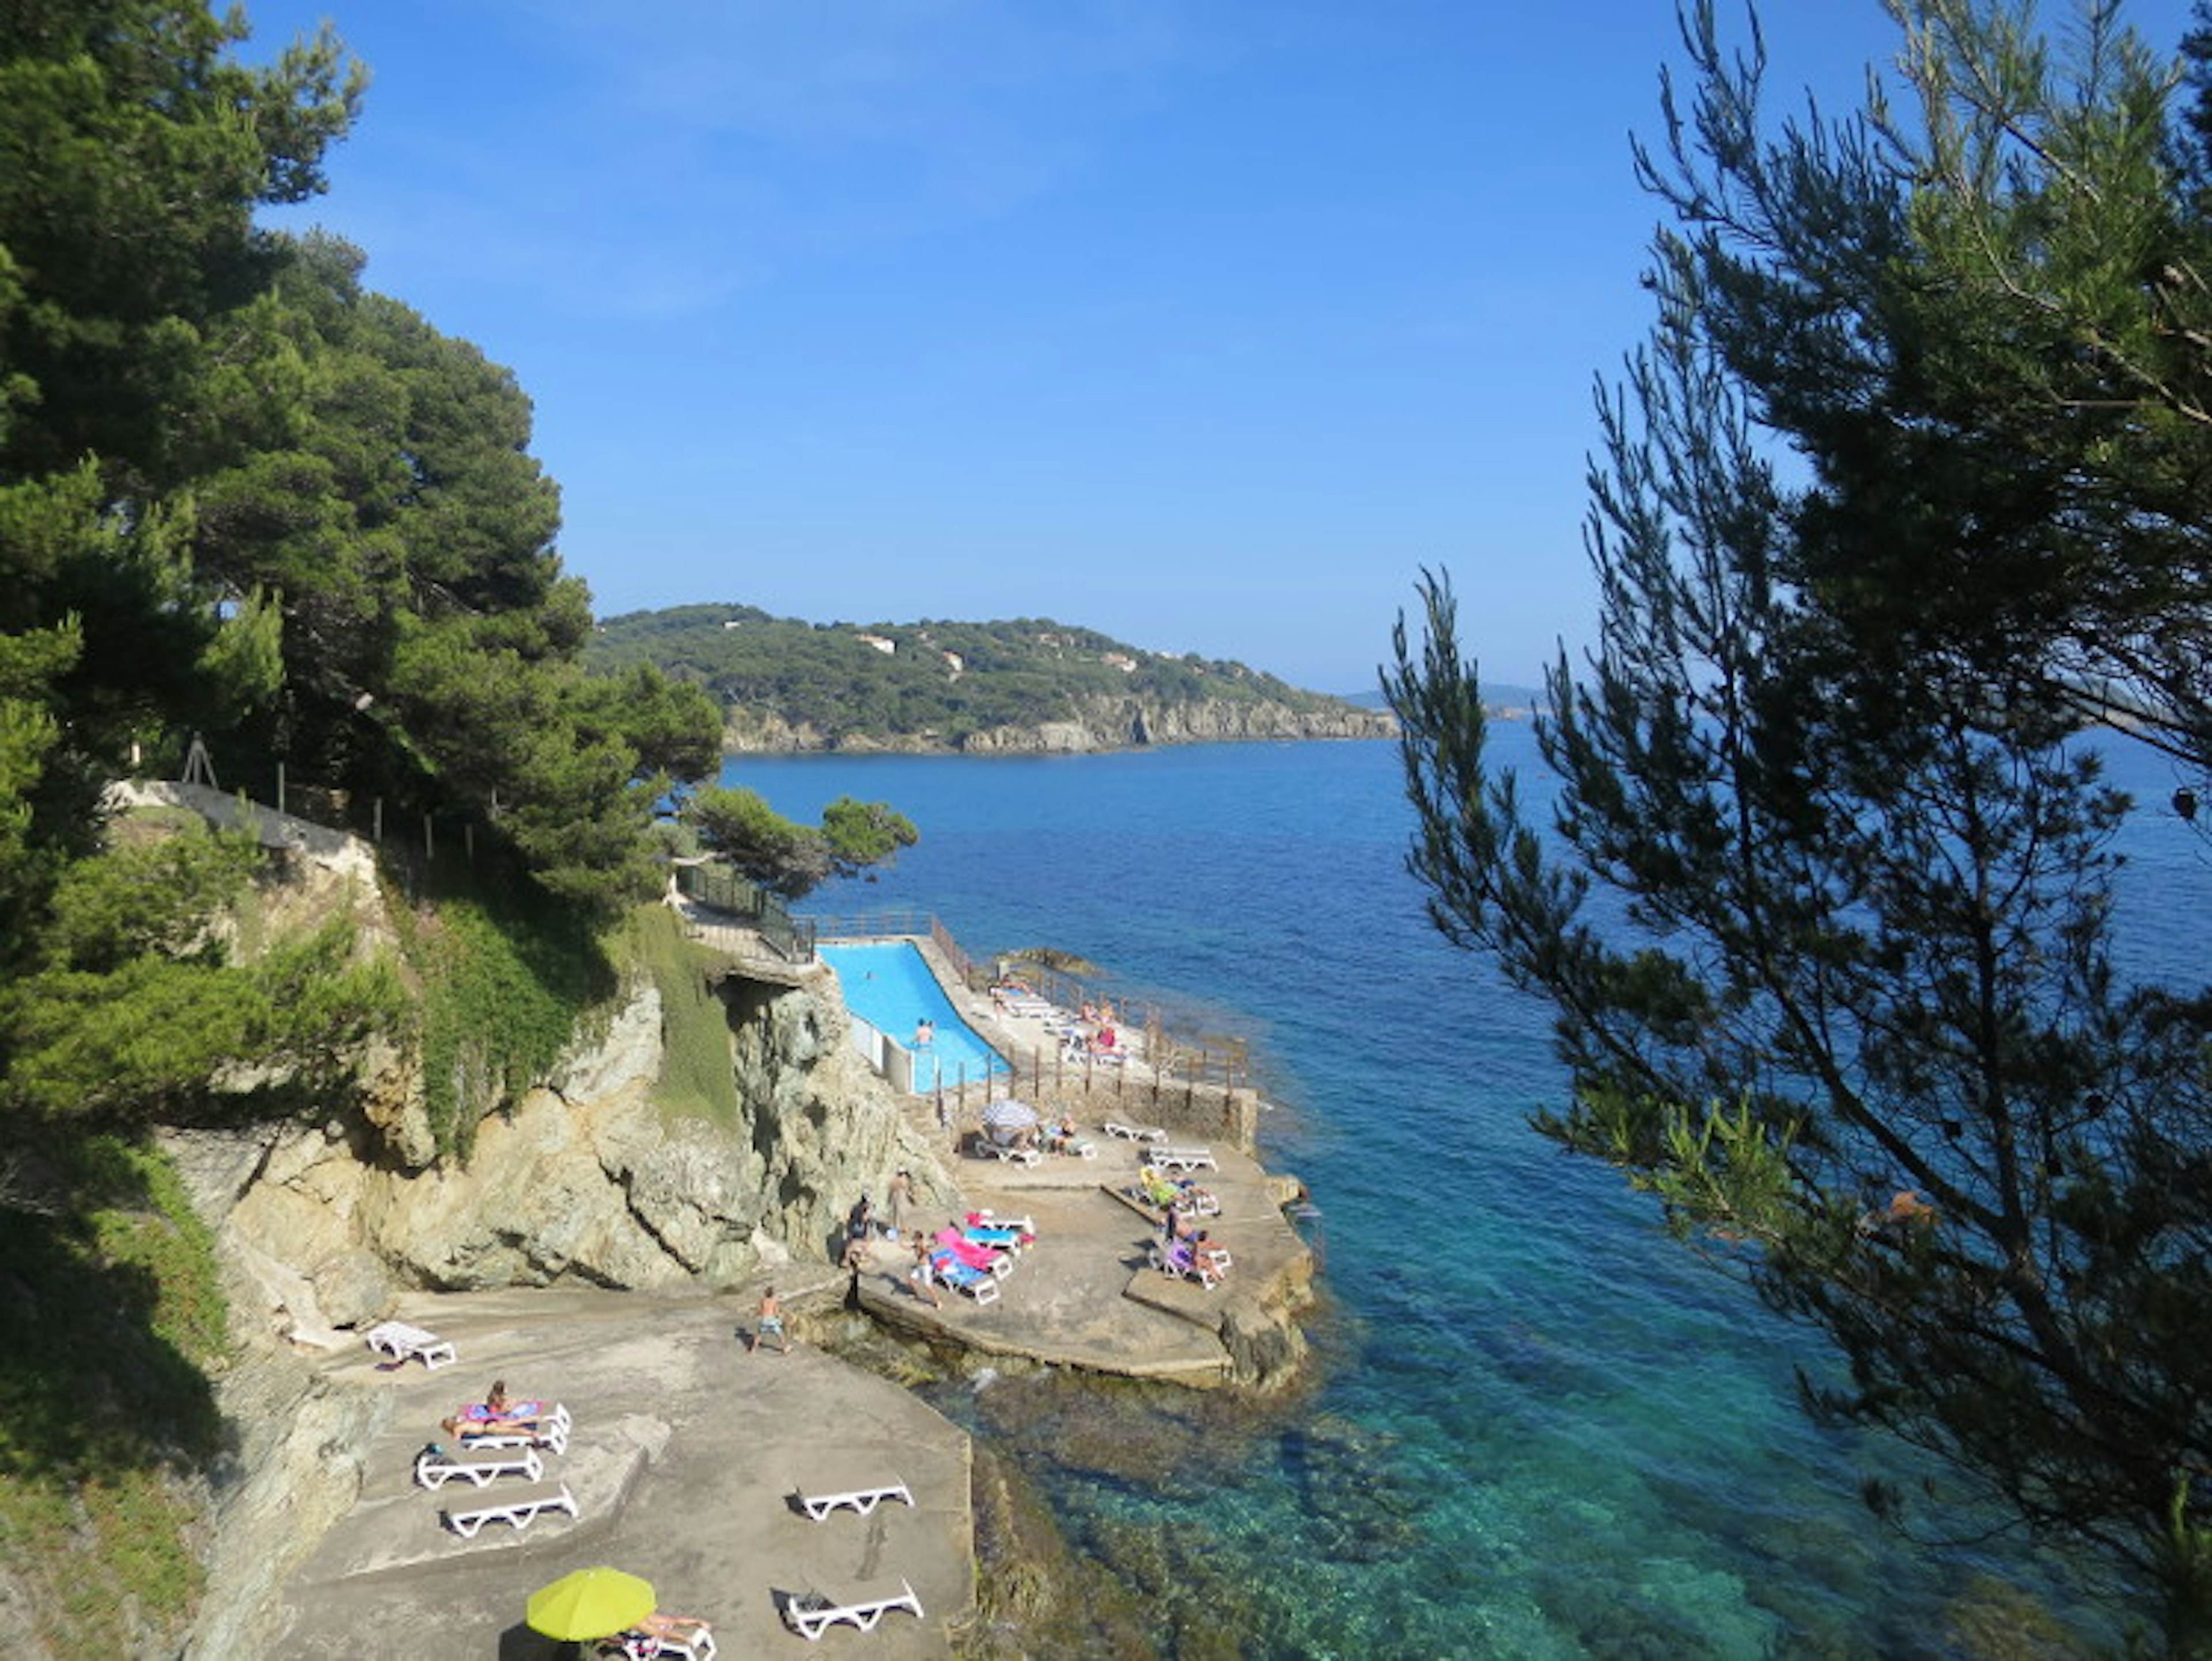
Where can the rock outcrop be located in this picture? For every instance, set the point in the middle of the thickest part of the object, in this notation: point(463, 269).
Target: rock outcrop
point(1096, 723)
point(583, 1179)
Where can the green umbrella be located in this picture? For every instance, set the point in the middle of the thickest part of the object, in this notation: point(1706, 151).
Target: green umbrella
point(590, 1604)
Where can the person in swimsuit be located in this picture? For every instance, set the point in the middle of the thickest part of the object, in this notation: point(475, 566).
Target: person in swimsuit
point(770, 1323)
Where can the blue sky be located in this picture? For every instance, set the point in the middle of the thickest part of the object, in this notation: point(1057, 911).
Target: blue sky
point(1208, 325)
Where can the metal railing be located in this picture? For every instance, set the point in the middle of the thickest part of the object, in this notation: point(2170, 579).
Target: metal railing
point(720, 888)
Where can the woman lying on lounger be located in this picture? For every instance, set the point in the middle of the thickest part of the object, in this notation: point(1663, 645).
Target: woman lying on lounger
point(1174, 1194)
point(495, 1415)
point(644, 1638)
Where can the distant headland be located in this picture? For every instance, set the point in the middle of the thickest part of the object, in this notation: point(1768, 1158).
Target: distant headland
point(1024, 686)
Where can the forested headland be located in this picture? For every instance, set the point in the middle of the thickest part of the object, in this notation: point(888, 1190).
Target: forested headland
point(787, 684)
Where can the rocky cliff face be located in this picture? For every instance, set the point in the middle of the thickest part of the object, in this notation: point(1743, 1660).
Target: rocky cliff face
point(583, 1179)
point(1105, 723)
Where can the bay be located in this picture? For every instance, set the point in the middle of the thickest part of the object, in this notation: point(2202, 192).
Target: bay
point(1545, 1431)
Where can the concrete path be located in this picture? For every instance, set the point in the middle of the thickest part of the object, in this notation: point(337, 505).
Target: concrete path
point(687, 1452)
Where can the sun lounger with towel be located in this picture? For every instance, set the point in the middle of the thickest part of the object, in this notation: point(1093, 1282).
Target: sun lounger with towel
point(995, 1236)
point(528, 1424)
point(979, 1284)
point(863, 1501)
point(1178, 1262)
point(1182, 1159)
point(434, 1467)
point(659, 1647)
point(402, 1342)
point(521, 1507)
point(989, 1259)
point(1155, 1188)
point(809, 1617)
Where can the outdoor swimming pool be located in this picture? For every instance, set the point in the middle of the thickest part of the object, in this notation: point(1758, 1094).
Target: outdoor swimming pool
point(887, 985)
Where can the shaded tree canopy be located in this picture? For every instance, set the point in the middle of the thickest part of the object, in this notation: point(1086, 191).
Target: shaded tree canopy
point(272, 505)
point(787, 858)
point(1906, 486)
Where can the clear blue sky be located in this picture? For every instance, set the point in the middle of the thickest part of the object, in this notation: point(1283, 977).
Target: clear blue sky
point(1205, 323)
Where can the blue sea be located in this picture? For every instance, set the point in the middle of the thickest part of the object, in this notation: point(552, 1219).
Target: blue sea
point(1545, 1430)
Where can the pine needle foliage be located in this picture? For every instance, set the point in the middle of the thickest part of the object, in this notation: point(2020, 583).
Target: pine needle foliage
point(1906, 487)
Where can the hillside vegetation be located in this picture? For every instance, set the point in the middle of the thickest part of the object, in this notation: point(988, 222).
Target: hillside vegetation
point(257, 522)
point(934, 681)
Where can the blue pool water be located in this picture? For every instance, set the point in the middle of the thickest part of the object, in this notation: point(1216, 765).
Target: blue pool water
point(1546, 1432)
point(887, 985)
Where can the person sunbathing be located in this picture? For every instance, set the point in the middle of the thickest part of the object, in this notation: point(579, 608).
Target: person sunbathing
point(497, 1415)
point(644, 1638)
point(1171, 1193)
point(685, 1627)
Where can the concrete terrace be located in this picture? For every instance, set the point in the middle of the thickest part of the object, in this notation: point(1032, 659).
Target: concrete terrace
point(686, 1453)
point(689, 1447)
point(1084, 1295)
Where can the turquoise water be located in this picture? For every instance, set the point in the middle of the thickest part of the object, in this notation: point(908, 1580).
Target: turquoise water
point(887, 985)
point(1549, 1432)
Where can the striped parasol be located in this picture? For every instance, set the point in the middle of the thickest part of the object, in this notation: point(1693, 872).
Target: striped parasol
point(1007, 1114)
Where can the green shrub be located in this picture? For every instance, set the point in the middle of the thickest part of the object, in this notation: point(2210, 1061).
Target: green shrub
point(112, 1311)
point(698, 1078)
point(503, 993)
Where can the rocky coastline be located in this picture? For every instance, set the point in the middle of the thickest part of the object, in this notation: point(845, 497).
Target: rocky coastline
point(586, 1183)
point(1095, 724)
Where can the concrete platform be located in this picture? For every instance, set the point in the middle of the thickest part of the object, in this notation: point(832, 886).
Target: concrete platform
point(686, 1455)
point(1084, 1295)
point(689, 1449)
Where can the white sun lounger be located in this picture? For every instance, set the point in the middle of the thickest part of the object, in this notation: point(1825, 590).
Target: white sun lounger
point(434, 1469)
point(1182, 1159)
point(811, 1622)
point(403, 1342)
point(1183, 1266)
point(863, 1501)
point(1020, 1156)
point(1134, 1133)
point(979, 1284)
point(521, 1507)
point(641, 1646)
point(549, 1430)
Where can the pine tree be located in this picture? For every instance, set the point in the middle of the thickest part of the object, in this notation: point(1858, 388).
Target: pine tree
point(1903, 490)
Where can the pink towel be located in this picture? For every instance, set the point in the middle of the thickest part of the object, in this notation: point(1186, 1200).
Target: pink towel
point(975, 1256)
